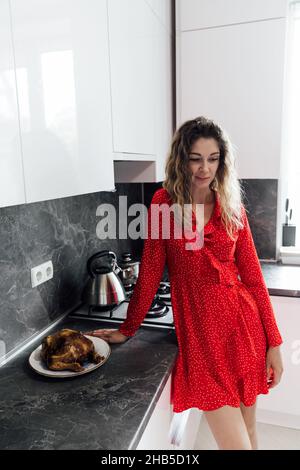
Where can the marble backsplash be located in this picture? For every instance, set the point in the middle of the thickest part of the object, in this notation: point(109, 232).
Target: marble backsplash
point(64, 231)
point(61, 230)
point(261, 203)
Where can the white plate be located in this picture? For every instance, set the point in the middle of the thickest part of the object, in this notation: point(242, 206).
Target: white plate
point(36, 362)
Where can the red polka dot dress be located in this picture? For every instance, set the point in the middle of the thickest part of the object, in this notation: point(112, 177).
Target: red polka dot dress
point(223, 316)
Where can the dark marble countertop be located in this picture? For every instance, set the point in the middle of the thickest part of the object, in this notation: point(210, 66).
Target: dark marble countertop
point(281, 279)
point(107, 408)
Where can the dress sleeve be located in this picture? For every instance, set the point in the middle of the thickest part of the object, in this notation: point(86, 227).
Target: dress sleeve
point(251, 275)
point(150, 272)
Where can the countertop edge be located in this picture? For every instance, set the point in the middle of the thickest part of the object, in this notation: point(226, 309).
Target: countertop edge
point(284, 292)
point(139, 433)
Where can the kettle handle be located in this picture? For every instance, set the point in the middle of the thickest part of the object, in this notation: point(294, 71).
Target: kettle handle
point(98, 255)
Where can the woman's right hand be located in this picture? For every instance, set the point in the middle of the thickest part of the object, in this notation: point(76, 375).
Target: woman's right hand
point(109, 335)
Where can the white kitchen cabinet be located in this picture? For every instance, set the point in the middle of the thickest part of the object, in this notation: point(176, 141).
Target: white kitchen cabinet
point(12, 190)
point(140, 53)
point(62, 70)
point(235, 76)
point(184, 428)
point(196, 14)
point(156, 433)
point(164, 98)
point(162, 8)
point(281, 405)
point(132, 61)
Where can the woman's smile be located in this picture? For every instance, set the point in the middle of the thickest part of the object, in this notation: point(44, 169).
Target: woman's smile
point(201, 178)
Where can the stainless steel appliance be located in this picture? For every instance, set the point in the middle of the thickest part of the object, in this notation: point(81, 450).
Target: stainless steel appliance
point(129, 269)
point(160, 314)
point(103, 288)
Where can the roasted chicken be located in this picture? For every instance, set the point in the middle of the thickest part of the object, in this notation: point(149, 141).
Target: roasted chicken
point(68, 349)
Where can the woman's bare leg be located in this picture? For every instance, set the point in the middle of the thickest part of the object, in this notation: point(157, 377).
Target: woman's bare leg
point(249, 415)
point(228, 428)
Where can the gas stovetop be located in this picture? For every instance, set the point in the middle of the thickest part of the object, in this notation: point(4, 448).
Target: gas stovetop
point(160, 314)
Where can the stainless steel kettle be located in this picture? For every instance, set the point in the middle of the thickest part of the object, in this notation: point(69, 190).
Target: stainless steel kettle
point(129, 269)
point(104, 288)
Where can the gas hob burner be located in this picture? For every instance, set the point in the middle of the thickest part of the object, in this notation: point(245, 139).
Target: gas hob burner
point(158, 309)
point(164, 292)
point(164, 288)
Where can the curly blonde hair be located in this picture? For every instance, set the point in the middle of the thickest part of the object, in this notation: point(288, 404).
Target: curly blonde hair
point(178, 175)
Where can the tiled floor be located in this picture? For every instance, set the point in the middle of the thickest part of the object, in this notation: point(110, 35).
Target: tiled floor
point(269, 437)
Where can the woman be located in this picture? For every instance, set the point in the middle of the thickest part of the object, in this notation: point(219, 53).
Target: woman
point(228, 339)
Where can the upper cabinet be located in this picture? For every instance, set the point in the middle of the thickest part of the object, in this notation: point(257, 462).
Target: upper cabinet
point(11, 171)
point(197, 14)
point(85, 96)
point(162, 9)
point(131, 41)
point(234, 74)
point(140, 38)
point(62, 72)
point(163, 96)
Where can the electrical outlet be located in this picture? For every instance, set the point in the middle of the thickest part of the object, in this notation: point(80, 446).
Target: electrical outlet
point(41, 273)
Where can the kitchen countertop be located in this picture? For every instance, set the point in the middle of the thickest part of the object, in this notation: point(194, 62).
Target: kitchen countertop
point(281, 279)
point(107, 408)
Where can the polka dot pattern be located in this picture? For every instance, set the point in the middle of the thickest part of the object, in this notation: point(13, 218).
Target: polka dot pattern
point(223, 316)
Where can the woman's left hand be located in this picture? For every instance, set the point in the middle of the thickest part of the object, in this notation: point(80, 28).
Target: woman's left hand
point(274, 366)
